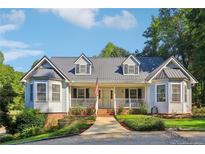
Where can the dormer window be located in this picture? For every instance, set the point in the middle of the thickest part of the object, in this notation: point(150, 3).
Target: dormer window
point(83, 65)
point(131, 66)
point(131, 69)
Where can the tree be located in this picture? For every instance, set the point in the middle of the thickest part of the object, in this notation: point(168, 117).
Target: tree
point(6, 99)
point(1, 57)
point(34, 63)
point(111, 50)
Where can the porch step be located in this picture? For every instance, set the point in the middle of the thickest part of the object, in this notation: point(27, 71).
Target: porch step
point(105, 112)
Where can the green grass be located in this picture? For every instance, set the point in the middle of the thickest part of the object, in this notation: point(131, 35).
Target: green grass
point(192, 124)
point(187, 123)
point(74, 128)
point(141, 122)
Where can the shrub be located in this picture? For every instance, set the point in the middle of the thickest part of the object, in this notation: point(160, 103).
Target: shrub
point(198, 111)
point(143, 108)
point(144, 123)
point(120, 110)
point(31, 131)
point(29, 118)
point(90, 111)
point(76, 111)
point(6, 137)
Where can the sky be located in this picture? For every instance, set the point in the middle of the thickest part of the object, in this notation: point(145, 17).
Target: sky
point(28, 34)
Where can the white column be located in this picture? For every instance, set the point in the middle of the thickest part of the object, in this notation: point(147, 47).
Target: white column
point(115, 105)
point(96, 106)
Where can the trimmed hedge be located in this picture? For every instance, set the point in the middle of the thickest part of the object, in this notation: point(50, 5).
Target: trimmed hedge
point(142, 122)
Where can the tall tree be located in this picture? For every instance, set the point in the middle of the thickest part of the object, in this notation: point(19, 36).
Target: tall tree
point(111, 50)
point(168, 35)
point(1, 57)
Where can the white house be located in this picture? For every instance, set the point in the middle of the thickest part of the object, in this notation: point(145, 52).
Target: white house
point(57, 84)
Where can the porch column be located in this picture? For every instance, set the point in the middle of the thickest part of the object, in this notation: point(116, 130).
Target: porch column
point(115, 105)
point(96, 105)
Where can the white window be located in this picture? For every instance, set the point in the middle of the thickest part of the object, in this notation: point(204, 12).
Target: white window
point(83, 69)
point(41, 92)
point(161, 93)
point(55, 92)
point(131, 69)
point(176, 93)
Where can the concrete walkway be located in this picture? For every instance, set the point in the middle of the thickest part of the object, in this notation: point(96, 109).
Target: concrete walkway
point(105, 125)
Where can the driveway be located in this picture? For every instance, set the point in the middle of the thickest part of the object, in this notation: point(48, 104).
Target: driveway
point(107, 131)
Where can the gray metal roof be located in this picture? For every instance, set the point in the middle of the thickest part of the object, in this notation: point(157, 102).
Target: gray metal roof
point(174, 73)
point(45, 73)
point(107, 69)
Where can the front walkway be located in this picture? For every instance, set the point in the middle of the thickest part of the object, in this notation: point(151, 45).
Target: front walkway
point(105, 125)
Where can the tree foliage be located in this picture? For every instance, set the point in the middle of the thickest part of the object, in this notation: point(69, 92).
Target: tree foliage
point(111, 50)
point(1, 57)
point(180, 33)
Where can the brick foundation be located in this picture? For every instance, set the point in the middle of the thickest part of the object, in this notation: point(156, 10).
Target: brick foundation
point(52, 119)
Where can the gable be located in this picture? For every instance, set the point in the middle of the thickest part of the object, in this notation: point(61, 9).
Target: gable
point(131, 60)
point(171, 63)
point(44, 63)
point(82, 61)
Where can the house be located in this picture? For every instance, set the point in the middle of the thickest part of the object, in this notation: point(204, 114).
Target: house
point(57, 84)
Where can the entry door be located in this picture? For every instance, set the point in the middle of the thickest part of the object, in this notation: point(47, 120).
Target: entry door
point(106, 98)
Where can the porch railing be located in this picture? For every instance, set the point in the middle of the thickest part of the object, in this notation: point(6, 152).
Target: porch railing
point(129, 102)
point(83, 102)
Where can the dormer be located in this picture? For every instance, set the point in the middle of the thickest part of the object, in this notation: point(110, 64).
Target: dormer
point(83, 66)
point(131, 66)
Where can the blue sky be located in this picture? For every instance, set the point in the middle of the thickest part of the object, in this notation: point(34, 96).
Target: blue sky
point(28, 34)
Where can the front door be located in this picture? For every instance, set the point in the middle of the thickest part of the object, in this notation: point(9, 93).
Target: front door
point(106, 98)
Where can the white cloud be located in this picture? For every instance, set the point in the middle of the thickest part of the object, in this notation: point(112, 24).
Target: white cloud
point(84, 18)
point(19, 53)
point(124, 21)
point(11, 21)
point(12, 44)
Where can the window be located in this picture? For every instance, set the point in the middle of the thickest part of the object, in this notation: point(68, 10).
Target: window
point(83, 68)
point(161, 93)
point(176, 93)
point(55, 92)
point(41, 92)
point(185, 93)
point(31, 92)
point(81, 93)
point(133, 93)
point(131, 69)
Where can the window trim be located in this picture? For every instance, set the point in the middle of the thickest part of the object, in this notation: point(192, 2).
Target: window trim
point(181, 95)
point(128, 65)
point(160, 84)
point(59, 92)
point(86, 69)
point(36, 87)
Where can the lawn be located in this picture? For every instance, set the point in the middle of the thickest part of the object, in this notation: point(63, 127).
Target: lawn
point(76, 127)
point(187, 123)
point(134, 122)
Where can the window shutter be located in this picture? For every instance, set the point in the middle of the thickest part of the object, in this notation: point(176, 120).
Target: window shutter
point(136, 69)
point(87, 93)
point(88, 68)
point(125, 69)
point(77, 68)
point(75, 93)
point(111, 94)
point(139, 93)
point(126, 93)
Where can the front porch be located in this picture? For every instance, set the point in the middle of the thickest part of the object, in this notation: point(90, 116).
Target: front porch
point(128, 97)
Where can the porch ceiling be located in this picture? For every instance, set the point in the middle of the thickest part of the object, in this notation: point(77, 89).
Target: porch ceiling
point(109, 84)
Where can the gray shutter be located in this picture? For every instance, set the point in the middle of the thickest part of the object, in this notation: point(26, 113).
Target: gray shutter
point(139, 93)
point(136, 69)
point(125, 69)
point(88, 68)
point(87, 93)
point(74, 92)
point(77, 68)
point(126, 93)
